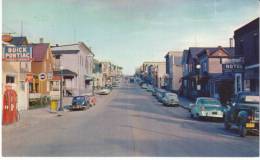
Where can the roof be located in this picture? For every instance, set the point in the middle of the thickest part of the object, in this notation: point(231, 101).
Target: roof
point(19, 40)
point(58, 52)
point(65, 72)
point(39, 51)
point(210, 50)
point(194, 51)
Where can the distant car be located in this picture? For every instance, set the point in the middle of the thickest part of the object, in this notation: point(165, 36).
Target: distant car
point(207, 107)
point(170, 99)
point(154, 91)
point(149, 88)
point(104, 91)
point(144, 86)
point(109, 86)
point(80, 103)
point(243, 113)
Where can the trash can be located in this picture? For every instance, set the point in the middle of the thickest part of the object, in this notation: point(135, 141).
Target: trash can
point(54, 105)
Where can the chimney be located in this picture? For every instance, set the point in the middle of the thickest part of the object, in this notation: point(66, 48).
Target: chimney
point(230, 42)
point(41, 40)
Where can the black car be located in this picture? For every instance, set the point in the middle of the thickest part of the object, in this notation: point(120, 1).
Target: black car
point(243, 112)
point(80, 103)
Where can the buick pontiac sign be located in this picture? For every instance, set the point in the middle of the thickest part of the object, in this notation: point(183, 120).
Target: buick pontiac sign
point(17, 53)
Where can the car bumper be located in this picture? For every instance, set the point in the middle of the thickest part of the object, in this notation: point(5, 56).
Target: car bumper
point(218, 114)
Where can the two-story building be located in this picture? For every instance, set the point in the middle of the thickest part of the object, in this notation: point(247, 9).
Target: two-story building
point(15, 69)
point(74, 62)
point(211, 75)
point(173, 70)
point(247, 46)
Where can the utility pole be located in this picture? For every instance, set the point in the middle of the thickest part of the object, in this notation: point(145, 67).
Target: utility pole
point(21, 28)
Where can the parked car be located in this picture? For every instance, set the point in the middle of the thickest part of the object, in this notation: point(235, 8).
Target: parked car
point(243, 113)
point(149, 88)
point(154, 91)
point(144, 86)
point(80, 103)
point(160, 94)
point(170, 99)
point(207, 107)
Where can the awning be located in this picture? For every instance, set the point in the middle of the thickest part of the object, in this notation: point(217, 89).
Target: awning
point(65, 73)
point(88, 78)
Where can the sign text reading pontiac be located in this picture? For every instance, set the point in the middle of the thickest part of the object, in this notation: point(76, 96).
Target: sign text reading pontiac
point(17, 53)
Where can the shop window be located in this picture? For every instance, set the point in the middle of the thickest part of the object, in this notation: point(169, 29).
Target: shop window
point(10, 79)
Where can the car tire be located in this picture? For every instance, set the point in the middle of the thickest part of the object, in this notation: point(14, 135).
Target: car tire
point(227, 125)
point(242, 130)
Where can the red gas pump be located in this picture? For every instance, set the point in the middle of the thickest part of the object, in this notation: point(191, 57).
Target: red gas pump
point(10, 113)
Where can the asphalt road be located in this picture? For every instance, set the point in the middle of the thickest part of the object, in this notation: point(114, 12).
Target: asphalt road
point(128, 122)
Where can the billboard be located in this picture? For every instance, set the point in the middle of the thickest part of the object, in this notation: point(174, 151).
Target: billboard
point(17, 53)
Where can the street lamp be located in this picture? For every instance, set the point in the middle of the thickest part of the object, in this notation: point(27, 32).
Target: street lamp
point(61, 89)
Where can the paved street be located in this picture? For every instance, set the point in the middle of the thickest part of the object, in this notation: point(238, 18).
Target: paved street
point(128, 122)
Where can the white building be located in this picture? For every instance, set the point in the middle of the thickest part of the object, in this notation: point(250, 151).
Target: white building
point(75, 63)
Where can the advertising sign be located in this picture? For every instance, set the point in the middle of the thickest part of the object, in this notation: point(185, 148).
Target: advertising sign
point(233, 67)
point(17, 53)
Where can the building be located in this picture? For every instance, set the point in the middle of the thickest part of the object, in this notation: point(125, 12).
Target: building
point(173, 70)
point(97, 74)
point(74, 62)
point(154, 73)
point(247, 46)
point(189, 87)
point(42, 63)
point(14, 71)
point(211, 73)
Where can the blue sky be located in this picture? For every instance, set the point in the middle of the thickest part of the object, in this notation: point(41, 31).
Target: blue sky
point(128, 32)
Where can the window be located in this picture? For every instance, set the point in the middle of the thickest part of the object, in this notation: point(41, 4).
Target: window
point(10, 79)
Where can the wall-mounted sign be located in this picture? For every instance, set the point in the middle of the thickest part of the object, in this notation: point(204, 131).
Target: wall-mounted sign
point(233, 67)
point(17, 53)
point(42, 76)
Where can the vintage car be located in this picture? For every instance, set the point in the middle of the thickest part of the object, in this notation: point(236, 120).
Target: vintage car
point(207, 107)
point(160, 94)
point(149, 88)
point(243, 113)
point(80, 103)
point(104, 91)
point(170, 99)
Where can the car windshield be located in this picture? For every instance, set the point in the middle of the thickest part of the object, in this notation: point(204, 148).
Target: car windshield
point(209, 101)
point(78, 99)
point(171, 95)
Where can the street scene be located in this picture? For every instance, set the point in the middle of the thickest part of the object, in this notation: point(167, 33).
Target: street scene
point(128, 122)
point(130, 78)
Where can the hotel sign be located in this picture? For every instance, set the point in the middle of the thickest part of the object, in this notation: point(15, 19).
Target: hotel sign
point(233, 67)
point(17, 53)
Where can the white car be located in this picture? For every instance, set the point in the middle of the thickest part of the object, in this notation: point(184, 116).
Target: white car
point(104, 91)
point(170, 99)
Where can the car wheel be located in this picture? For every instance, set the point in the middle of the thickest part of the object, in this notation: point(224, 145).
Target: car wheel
point(242, 130)
point(227, 125)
